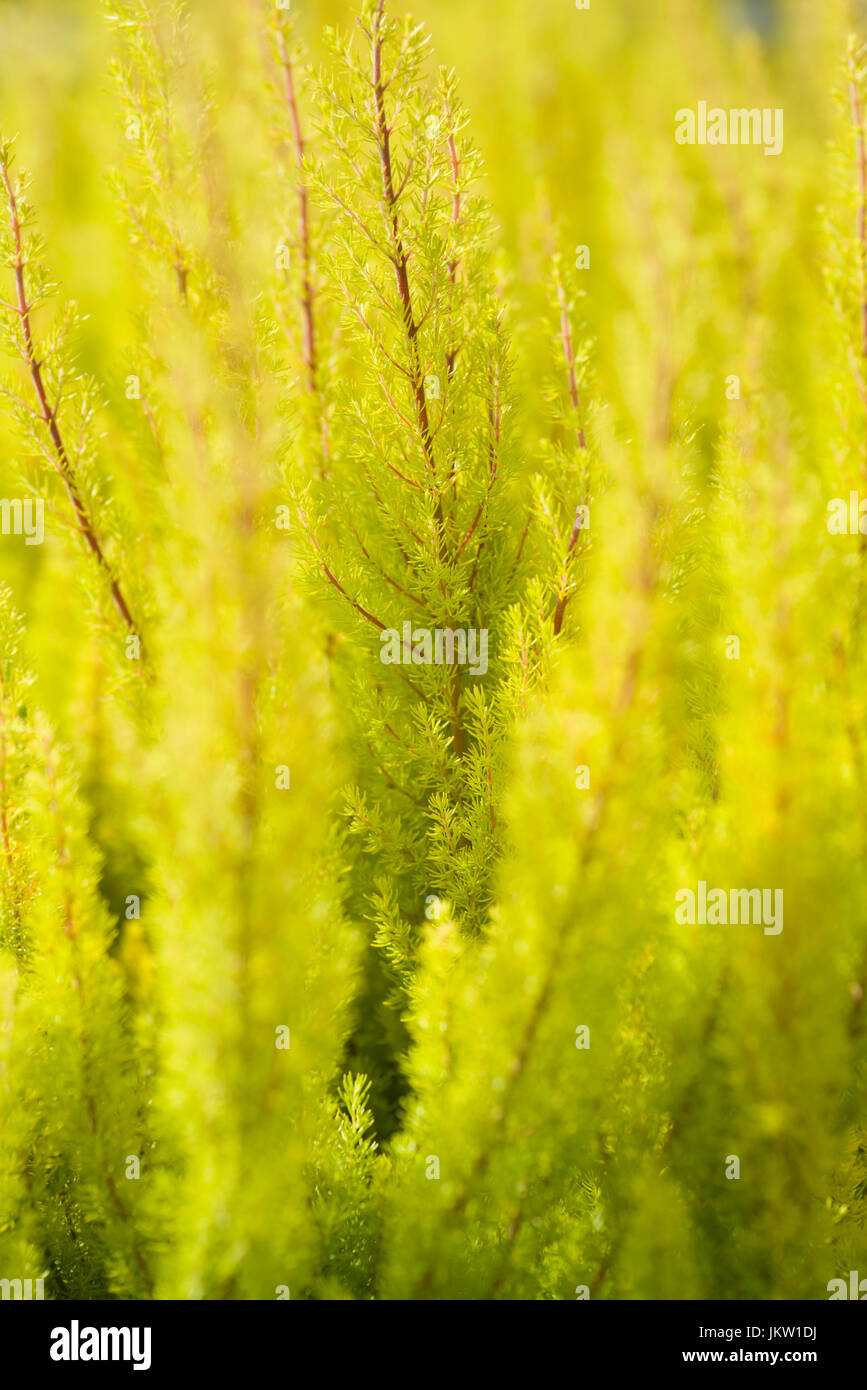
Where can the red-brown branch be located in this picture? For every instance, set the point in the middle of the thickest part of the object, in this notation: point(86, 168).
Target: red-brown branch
point(307, 293)
point(861, 155)
point(399, 257)
point(60, 456)
point(335, 583)
point(568, 352)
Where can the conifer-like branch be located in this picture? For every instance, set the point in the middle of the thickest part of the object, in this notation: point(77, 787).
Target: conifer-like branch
point(861, 162)
point(574, 397)
point(48, 414)
point(307, 292)
point(391, 198)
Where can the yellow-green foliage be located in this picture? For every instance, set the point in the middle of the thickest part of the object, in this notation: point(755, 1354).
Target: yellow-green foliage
point(328, 977)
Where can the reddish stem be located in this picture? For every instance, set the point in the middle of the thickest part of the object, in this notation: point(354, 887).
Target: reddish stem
point(307, 296)
point(383, 133)
point(61, 458)
point(861, 154)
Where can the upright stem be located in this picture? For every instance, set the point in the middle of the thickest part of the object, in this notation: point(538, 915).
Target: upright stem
point(861, 156)
point(307, 296)
point(49, 416)
point(569, 354)
point(383, 132)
